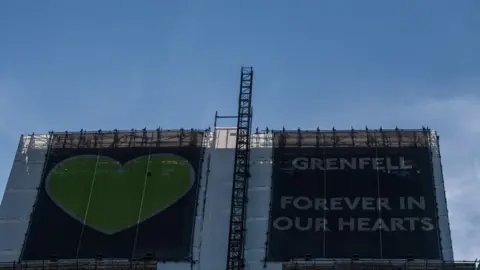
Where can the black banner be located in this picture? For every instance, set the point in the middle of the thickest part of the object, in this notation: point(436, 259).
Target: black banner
point(337, 202)
point(117, 202)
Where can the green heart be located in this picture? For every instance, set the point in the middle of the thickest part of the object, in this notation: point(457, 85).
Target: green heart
point(99, 192)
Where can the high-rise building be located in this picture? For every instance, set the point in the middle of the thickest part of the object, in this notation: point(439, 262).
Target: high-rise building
point(227, 198)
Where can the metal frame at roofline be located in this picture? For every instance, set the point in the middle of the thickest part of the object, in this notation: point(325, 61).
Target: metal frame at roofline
point(423, 137)
point(356, 263)
point(129, 138)
point(260, 138)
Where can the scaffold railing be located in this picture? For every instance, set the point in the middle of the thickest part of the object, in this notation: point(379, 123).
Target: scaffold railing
point(258, 139)
point(345, 264)
point(81, 264)
point(422, 137)
point(117, 138)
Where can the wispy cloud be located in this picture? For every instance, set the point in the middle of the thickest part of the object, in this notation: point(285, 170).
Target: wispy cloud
point(457, 120)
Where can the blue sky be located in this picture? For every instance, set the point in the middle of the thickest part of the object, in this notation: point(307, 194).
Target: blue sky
point(67, 65)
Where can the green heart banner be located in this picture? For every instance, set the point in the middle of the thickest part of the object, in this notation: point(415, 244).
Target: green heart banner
point(108, 197)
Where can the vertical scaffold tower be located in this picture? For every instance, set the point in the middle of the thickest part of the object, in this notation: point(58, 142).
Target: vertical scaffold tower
point(235, 259)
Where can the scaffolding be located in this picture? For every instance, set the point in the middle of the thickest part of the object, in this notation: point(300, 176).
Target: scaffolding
point(356, 264)
point(289, 144)
point(129, 138)
point(82, 264)
point(235, 255)
point(268, 138)
point(98, 142)
point(423, 137)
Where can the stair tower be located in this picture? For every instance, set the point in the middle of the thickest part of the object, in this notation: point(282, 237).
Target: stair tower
point(235, 258)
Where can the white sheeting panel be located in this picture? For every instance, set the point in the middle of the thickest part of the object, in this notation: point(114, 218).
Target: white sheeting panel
point(200, 211)
point(214, 242)
point(443, 220)
point(17, 203)
point(258, 207)
point(11, 242)
point(27, 174)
